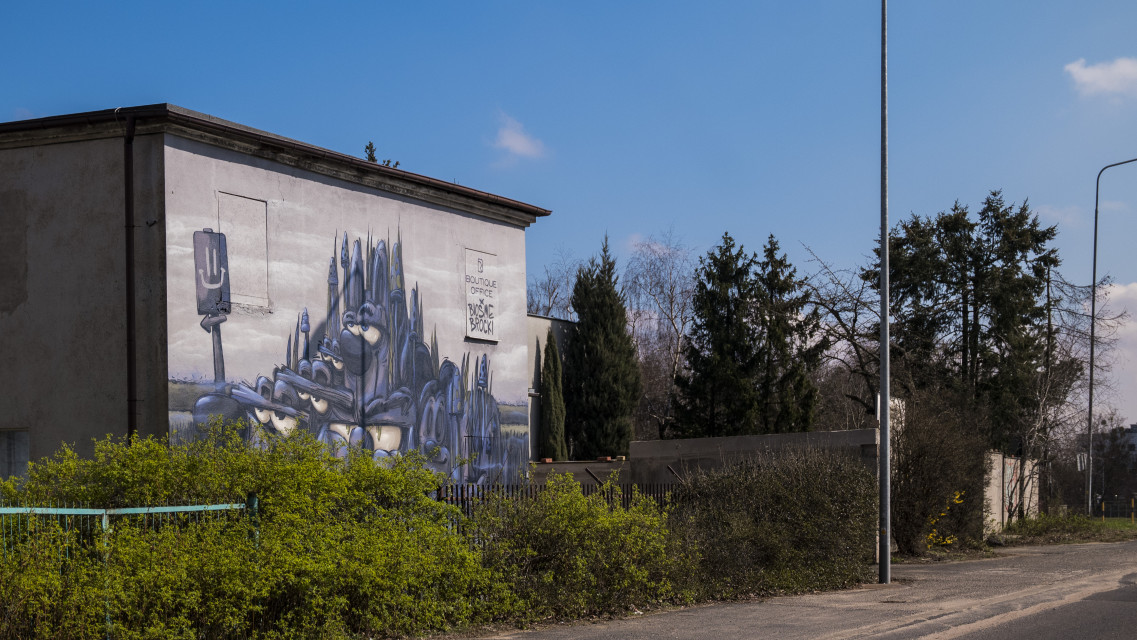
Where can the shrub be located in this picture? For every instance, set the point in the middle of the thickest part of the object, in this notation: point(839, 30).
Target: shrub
point(350, 548)
point(565, 554)
point(343, 547)
point(50, 588)
point(937, 454)
point(778, 523)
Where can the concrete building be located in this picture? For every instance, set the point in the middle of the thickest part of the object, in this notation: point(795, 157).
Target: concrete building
point(162, 266)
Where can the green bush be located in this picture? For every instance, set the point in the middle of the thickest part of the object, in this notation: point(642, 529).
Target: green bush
point(343, 547)
point(565, 554)
point(778, 523)
point(49, 587)
point(937, 458)
point(346, 548)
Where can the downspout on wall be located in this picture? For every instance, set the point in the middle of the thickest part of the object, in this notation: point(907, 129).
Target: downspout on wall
point(131, 294)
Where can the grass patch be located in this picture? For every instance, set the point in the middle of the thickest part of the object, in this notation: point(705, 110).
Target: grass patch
point(1069, 528)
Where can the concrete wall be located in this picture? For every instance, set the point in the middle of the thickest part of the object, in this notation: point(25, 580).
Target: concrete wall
point(63, 302)
point(1011, 490)
point(392, 354)
point(649, 460)
point(584, 472)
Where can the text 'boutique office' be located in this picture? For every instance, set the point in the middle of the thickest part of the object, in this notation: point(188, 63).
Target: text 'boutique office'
point(164, 268)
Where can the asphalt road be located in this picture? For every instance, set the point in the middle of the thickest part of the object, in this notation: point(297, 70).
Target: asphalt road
point(1029, 593)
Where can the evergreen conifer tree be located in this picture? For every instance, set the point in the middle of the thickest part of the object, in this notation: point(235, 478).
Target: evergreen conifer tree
point(717, 394)
point(789, 349)
point(552, 440)
point(602, 378)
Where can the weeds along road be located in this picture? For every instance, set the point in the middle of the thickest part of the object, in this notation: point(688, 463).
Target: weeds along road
point(1035, 593)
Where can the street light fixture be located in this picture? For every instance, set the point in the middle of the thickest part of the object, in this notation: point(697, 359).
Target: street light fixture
point(1093, 322)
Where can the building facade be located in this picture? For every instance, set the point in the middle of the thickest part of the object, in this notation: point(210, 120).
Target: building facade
point(166, 267)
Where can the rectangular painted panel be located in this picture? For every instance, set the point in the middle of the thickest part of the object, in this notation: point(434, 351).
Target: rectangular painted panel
point(244, 221)
point(481, 286)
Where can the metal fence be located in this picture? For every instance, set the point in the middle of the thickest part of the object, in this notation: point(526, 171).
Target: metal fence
point(467, 497)
point(1117, 508)
point(17, 522)
point(74, 528)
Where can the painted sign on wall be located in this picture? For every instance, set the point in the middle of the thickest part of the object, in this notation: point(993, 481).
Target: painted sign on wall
point(481, 286)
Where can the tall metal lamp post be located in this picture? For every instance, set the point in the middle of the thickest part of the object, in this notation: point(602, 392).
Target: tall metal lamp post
point(884, 549)
point(1093, 322)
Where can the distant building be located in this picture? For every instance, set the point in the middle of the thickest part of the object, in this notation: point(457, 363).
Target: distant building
point(1129, 442)
point(162, 266)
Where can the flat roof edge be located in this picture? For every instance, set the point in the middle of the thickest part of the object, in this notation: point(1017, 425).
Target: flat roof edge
point(446, 193)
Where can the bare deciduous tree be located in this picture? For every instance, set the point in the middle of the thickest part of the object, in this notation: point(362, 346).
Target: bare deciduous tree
point(551, 294)
point(658, 284)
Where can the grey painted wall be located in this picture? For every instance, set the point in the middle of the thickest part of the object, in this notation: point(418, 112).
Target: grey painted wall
point(63, 304)
point(286, 229)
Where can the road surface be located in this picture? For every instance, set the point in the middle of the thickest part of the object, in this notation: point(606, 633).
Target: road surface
point(1029, 593)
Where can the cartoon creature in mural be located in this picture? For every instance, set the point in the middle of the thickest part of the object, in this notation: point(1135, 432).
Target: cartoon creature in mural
point(366, 378)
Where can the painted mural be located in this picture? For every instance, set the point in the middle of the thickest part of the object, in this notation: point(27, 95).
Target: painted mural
point(363, 372)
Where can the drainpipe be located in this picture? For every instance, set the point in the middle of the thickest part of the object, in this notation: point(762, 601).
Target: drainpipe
point(131, 346)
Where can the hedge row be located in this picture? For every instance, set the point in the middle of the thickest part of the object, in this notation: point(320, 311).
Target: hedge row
point(347, 548)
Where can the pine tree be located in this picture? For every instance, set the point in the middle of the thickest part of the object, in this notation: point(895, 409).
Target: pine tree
point(602, 379)
point(968, 310)
point(789, 348)
point(717, 394)
point(552, 440)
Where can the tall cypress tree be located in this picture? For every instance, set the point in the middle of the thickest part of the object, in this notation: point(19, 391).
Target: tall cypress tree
point(717, 394)
point(602, 379)
point(552, 440)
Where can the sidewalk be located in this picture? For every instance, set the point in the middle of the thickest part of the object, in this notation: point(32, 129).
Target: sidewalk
point(948, 600)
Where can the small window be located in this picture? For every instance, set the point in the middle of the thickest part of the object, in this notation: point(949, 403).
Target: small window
point(13, 454)
point(244, 221)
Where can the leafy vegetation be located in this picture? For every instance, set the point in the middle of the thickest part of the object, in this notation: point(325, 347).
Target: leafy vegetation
point(346, 548)
point(343, 546)
point(1052, 529)
point(780, 523)
point(570, 555)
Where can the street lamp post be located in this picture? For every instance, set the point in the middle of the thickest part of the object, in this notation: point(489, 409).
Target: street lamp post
point(884, 549)
point(1093, 322)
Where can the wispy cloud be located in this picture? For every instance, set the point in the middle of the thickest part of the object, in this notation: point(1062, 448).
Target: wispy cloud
point(1122, 380)
point(1118, 77)
point(1068, 216)
point(514, 140)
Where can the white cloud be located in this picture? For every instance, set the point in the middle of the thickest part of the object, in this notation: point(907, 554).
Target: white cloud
point(511, 137)
point(1068, 216)
point(1123, 297)
point(1108, 78)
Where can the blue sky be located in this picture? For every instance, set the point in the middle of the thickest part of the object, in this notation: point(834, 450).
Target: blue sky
point(632, 118)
